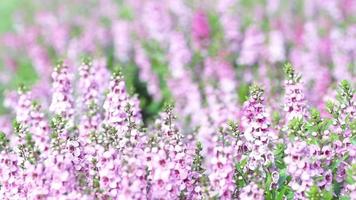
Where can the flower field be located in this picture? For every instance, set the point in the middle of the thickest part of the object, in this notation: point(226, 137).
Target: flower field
point(178, 99)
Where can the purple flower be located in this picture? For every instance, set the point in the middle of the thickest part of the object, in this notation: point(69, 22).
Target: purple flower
point(62, 100)
point(200, 29)
point(251, 191)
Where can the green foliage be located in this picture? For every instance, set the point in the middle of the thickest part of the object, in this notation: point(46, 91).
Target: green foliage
point(284, 192)
point(198, 159)
point(29, 141)
point(333, 109)
point(283, 178)
point(338, 109)
point(276, 117)
point(353, 132)
point(269, 192)
point(197, 59)
point(256, 92)
point(243, 92)
point(7, 10)
point(316, 194)
point(202, 179)
point(345, 198)
point(239, 176)
point(316, 126)
point(58, 125)
point(296, 128)
point(25, 76)
point(108, 137)
point(160, 67)
point(279, 156)
point(336, 162)
point(279, 191)
point(26, 148)
point(315, 116)
point(4, 141)
point(134, 85)
point(233, 129)
point(290, 73)
point(334, 137)
point(126, 12)
point(216, 34)
point(336, 188)
point(351, 174)
point(251, 3)
point(16, 126)
point(266, 24)
point(345, 93)
point(182, 195)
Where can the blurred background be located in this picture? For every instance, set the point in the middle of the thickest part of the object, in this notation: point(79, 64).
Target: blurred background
point(229, 44)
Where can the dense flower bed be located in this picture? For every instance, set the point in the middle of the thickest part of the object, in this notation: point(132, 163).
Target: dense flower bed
point(179, 100)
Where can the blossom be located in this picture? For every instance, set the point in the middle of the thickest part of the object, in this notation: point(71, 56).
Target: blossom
point(122, 40)
point(221, 176)
point(116, 104)
point(251, 191)
point(100, 128)
point(299, 167)
point(258, 135)
point(200, 29)
point(157, 20)
point(169, 164)
point(62, 99)
point(251, 46)
point(294, 99)
point(90, 99)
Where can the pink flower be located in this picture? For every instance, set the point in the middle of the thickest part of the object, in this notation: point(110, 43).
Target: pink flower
point(251, 47)
point(200, 29)
point(62, 100)
point(122, 40)
point(295, 103)
point(251, 192)
point(257, 132)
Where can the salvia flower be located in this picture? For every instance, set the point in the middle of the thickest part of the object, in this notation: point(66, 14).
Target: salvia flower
point(258, 135)
point(251, 191)
point(295, 102)
point(299, 168)
point(200, 29)
point(87, 136)
point(62, 100)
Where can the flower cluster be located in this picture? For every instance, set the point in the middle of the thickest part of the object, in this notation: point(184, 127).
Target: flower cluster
point(110, 155)
point(179, 100)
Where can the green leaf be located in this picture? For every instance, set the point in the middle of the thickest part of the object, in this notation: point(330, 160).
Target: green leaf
point(336, 188)
point(243, 92)
point(334, 137)
point(326, 195)
point(279, 156)
point(282, 178)
point(3, 141)
point(284, 192)
point(216, 34)
point(345, 198)
point(241, 165)
point(268, 191)
point(313, 193)
point(276, 117)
